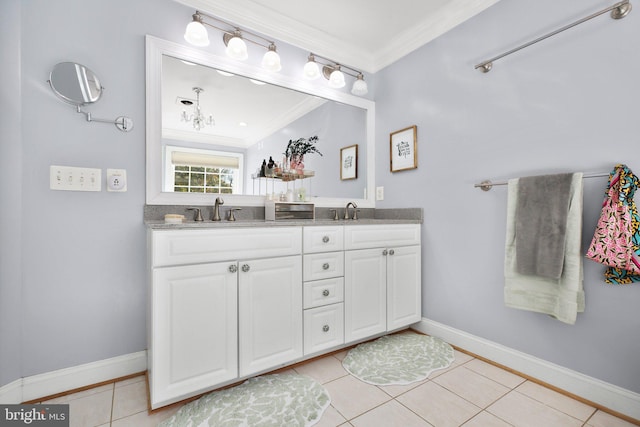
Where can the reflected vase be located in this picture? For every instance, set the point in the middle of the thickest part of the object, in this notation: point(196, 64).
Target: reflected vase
point(297, 163)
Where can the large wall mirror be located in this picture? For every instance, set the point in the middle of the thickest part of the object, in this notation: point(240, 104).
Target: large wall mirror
point(247, 116)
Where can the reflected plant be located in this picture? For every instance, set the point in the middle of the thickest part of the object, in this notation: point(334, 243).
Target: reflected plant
point(301, 146)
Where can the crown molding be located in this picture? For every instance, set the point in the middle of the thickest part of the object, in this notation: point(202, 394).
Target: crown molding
point(435, 25)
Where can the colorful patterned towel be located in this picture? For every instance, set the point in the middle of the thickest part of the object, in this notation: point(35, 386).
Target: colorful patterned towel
point(616, 241)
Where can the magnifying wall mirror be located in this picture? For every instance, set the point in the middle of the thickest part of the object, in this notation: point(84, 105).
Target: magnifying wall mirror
point(78, 85)
point(75, 83)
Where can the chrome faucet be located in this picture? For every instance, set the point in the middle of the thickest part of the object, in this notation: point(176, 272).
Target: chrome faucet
point(216, 209)
point(346, 209)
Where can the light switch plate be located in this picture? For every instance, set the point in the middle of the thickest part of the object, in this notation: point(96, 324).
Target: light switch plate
point(70, 178)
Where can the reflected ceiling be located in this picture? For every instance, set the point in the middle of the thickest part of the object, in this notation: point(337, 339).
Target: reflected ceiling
point(231, 100)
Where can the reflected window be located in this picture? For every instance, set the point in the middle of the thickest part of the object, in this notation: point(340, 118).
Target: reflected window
point(190, 170)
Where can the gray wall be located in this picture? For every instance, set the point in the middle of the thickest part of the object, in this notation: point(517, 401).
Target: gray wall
point(569, 103)
point(10, 195)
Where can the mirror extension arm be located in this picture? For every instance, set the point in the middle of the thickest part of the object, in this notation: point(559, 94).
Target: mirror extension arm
point(125, 124)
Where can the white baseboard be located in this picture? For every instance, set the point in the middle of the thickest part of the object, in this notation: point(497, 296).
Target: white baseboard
point(608, 395)
point(62, 380)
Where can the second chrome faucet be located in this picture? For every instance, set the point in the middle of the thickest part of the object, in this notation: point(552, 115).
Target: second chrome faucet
point(355, 212)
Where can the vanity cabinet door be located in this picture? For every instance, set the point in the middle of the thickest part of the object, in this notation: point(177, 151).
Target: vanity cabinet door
point(404, 287)
point(383, 288)
point(270, 313)
point(365, 293)
point(193, 330)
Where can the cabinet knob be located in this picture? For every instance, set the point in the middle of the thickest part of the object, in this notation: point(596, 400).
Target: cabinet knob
point(391, 252)
point(385, 252)
point(325, 328)
point(245, 267)
point(233, 268)
point(325, 266)
point(325, 239)
point(325, 293)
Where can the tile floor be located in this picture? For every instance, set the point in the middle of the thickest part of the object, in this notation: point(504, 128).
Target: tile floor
point(470, 393)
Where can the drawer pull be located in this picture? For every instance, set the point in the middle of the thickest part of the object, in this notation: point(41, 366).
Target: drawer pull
point(325, 239)
point(325, 266)
point(325, 293)
point(245, 267)
point(391, 252)
point(325, 328)
point(233, 268)
point(385, 252)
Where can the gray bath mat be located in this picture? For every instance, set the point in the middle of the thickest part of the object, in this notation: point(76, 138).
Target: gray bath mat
point(270, 400)
point(398, 359)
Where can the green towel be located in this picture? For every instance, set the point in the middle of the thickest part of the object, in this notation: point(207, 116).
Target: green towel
point(561, 298)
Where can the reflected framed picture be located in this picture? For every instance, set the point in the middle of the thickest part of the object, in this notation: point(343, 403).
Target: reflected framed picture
point(403, 149)
point(349, 162)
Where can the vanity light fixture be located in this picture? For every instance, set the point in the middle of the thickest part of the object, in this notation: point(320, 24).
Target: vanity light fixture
point(234, 39)
point(359, 86)
point(335, 73)
point(271, 59)
point(336, 77)
point(236, 47)
point(311, 69)
point(196, 33)
point(198, 119)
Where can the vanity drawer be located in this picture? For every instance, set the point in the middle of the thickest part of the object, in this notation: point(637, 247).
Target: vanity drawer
point(323, 266)
point(323, 292)
point(381, 236)
point(323, 239)
point(177, 247)
point(323, 328)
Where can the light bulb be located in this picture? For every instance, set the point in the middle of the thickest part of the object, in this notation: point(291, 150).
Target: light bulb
point(196, 34)
point(237, 48)
point(336, 79)
point(271, 60)
point(359, 86)
point(311, 70)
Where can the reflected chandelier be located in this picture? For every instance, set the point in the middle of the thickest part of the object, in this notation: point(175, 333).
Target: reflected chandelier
point(199, 120)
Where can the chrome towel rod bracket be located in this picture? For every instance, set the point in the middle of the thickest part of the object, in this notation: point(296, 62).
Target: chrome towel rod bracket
point(618, 11)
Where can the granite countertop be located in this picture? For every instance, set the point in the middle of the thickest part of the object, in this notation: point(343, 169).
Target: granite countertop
point(161, 225)
point(254, 217)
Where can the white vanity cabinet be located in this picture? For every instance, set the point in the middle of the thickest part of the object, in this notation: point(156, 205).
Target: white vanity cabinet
point(224, 304)
point(382, 279)
point(227, 303)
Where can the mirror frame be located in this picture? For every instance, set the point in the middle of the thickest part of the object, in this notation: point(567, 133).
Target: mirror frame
point(156, 48)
